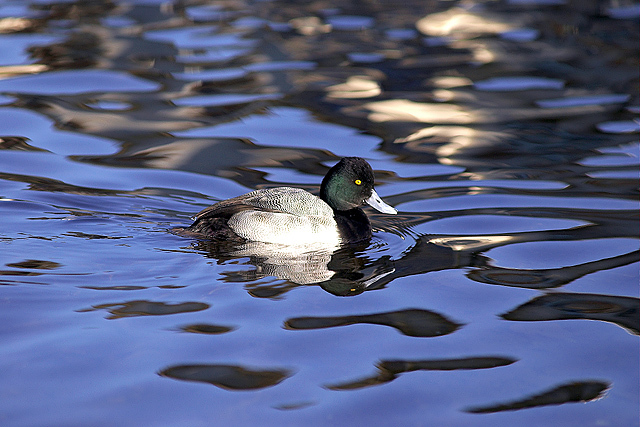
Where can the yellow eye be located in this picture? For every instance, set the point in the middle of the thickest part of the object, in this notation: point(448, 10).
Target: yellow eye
point(358, 182)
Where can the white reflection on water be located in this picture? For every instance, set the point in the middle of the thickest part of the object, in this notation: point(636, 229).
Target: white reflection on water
point(300, 264)
point(459, 22)
point(354, 88)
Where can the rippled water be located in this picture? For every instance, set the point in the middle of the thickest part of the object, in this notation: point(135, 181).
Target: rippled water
point(504, 293)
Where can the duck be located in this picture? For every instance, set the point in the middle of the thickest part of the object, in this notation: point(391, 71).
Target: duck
point(293, 216)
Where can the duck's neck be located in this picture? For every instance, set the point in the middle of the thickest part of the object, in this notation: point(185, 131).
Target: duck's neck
point(353, 224)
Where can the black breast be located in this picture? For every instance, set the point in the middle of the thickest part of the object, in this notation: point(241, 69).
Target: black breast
point(354, 225)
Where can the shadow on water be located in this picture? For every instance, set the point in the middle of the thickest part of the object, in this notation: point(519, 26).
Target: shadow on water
point(496, 128)
point(622, 311)
point(411, 322)
point(225, 376)
point(389, 370)
point(120, 310)
point(579, 391)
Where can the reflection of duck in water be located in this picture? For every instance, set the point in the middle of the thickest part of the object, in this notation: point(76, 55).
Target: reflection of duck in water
point(338, 271)
point(276, 269)
point(288, 215)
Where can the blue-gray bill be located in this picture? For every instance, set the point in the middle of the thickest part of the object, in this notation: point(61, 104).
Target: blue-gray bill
point(376, 202)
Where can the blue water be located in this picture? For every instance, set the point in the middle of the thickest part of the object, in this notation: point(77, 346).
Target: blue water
point(505, 292)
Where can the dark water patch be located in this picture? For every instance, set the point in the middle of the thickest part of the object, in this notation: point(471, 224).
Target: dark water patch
point(411, 322)
point(17, 143)
point(35, 264)
point(80, 49)
point(228, 377)
point(389, 370)
point(116, 288)
point(622, 311)
point(172, 286)
point(19, 273)
point(49, 185)
point(4, 282)
point(273, 291)
point(93, 236)
point(136, 308)
point(400, 366)
point(580, 391)
point(207, 329)
point(294, 405)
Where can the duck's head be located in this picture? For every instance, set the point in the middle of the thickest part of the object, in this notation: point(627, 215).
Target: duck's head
point(349, 185)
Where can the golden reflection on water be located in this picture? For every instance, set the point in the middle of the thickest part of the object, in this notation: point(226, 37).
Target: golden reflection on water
point(460, 23)
point(410, 111)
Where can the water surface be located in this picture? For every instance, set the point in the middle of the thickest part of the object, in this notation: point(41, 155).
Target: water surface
point(505, 292)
